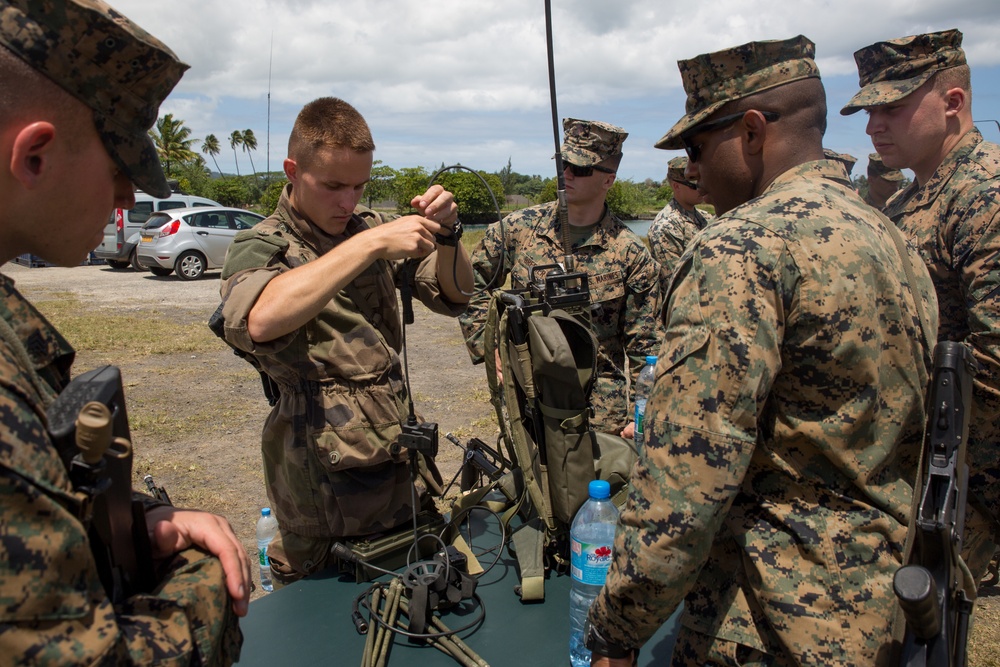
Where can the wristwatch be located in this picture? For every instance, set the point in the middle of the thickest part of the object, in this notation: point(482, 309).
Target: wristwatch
point(452, 239)
point(595, 643)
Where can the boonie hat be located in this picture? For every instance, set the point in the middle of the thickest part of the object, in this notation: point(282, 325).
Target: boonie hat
point(846, 159)
point(676, 167)
point(889, 71)
point(712, 79)
point(107, 62)
point(877, 169)
point(588, 142)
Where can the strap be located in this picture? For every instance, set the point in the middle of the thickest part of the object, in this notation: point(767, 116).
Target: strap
point(529, 546)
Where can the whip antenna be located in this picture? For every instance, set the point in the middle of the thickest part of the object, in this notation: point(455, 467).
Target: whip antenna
point(557, 135)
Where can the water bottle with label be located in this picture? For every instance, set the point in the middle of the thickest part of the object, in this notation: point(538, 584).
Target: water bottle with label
point(592, 537)
point(267, 528)
point(643, 386)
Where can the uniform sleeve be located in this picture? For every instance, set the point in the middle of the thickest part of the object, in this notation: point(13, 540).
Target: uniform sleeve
point(428, 290)
point(719, 358)
point(53, 609)
point(641, 326)
point(486, 257)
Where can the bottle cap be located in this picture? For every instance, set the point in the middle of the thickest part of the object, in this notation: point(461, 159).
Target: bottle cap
point(266, 511)
point(599, 489)
point(651, 359)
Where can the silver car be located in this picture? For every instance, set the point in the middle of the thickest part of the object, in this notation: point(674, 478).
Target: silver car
point(190, 241)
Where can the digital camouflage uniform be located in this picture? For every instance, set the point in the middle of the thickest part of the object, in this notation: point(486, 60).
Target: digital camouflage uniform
point(623, 280)
point(673, 228)
point(783, 429)
point(954, 221)
point(878, 171)
point(53, 608)
point(326, 444)
point(845, 159)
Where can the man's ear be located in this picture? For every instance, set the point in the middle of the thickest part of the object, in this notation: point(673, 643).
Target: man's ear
point(291, 169)
point(31, 153)
point(955, 101)
point(755, 127)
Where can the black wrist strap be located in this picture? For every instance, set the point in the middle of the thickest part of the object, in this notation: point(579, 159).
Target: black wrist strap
point(451, 239)
point(596, 643)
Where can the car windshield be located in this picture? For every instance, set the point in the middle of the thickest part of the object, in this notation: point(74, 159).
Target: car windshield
point(156, 221)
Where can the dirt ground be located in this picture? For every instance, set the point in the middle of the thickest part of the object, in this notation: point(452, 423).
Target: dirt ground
point(196, 417)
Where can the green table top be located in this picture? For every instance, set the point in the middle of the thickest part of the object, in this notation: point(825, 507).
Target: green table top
point(309, 623)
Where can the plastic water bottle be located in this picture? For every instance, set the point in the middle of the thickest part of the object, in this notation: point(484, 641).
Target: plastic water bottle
point(591, 538)
point(643, 385)
point(267, 528)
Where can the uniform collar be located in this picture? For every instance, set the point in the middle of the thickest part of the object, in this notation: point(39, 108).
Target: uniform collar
point(601, 236)
point(915, 195)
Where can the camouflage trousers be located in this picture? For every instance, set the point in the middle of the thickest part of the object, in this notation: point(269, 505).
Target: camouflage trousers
point(695, 649)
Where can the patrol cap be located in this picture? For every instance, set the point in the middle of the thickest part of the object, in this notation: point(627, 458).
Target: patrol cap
point(106, 61)
point(676, 167)
point(588, 142)
point(889, 71)
point(848, 160)
point(877, 169)
point(710, 80)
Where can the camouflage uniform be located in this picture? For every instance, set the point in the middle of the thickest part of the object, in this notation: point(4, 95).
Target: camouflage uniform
point(328, 464)
point(670, 233)
point(622, 277)
point(845, 159)
point(878, 171)
point(954, 221)
point(53, 608)
point(773, 491)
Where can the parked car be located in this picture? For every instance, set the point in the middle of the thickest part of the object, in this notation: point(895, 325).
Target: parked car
point(121, 234)
point(190, 241)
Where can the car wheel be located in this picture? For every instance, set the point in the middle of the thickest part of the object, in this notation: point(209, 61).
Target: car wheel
point(160, 271)
point(137, 263)
point(190, 266)
point(115, 264)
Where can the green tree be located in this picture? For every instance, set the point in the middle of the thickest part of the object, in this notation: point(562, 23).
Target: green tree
point(473, 199)
point(625, 199)
point(506, 176)
point(194, 178)
point(211, 147)
point(410, 182)
point(236, 139)
point(382, 184)
point(230, 192)
point(173, 142)
point(269, 200)
point(250, 144)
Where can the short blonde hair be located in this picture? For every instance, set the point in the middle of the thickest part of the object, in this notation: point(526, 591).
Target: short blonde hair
point(328, 122)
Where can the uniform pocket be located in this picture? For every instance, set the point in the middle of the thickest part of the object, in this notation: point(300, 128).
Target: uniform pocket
point(359, 429)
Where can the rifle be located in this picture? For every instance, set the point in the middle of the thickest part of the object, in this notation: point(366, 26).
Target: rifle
point(929, 585)
point(89, 426)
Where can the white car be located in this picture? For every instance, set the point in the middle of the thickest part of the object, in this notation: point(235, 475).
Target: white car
point(190, 241)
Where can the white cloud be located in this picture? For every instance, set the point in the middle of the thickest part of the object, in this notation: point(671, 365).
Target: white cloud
point(471, 79)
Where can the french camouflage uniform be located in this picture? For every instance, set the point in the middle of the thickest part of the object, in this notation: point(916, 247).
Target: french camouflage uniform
point(622, 277)
point(670, 233)
point(53, 607)
point(330, 463)
point(623, 283)
point(783, 430)
point(954, 221)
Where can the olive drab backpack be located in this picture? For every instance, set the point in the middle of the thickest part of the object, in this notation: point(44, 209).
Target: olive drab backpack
point(548, 357)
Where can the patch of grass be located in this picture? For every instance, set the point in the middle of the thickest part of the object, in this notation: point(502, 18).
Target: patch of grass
point(134, 334)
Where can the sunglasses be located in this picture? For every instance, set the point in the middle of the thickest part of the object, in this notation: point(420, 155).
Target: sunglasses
point(694, 150)
point(583, 172)
point(690, 184)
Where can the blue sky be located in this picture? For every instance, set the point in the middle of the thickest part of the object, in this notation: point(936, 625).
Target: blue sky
point(461, 81)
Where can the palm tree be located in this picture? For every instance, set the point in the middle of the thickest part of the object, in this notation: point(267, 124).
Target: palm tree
point(250, 144)
point(236, 139)
point(172, 140)
point(211, 147)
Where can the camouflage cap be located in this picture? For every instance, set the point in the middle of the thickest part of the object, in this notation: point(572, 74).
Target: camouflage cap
point(588, 142)
point(712, 79)
point(107, 62)
point(889, 71)
point(877, 169)
point(848, 160)
point(676, 167)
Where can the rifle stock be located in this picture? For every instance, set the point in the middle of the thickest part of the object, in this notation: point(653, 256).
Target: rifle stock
point(89, 426)
point(929, 586)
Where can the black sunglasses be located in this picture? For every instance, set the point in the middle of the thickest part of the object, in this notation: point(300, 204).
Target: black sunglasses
point(584, 172)
point(694, 150)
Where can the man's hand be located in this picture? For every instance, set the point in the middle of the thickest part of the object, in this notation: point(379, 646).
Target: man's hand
point(601, 661)
point(172, 530)
point(629, 431)
point(437, 204)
